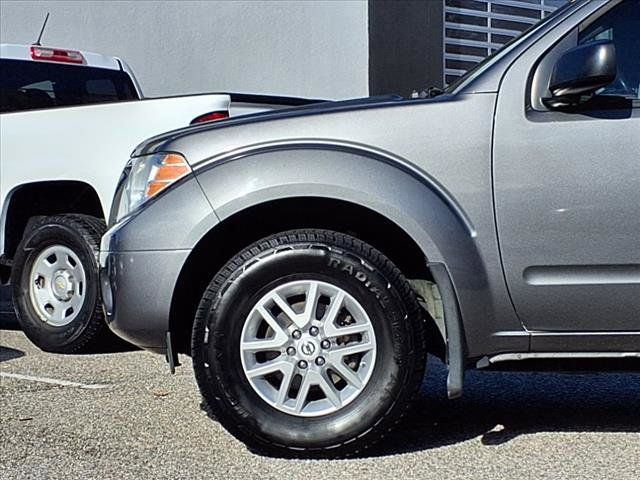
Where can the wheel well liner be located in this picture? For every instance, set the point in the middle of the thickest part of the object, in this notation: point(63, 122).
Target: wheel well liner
point(46, 198)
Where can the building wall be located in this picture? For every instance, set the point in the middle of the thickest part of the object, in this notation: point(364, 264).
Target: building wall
point(316, 49)
point(405, 46)
point(473, 29)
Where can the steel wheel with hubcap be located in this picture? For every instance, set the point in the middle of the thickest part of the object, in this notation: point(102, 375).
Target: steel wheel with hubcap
point(308, 343)
point(55, 284)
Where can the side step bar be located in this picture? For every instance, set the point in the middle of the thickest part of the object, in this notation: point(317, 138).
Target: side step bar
point(486, 362)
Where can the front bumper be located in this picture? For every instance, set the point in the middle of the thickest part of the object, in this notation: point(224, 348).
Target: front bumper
point(137, 290)
point(142, 256)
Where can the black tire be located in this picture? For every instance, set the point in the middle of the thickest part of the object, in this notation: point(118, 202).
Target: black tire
point(87, 332)
point(358, 269)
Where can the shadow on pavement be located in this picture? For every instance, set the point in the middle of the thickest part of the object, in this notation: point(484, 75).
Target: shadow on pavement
point(111, 344)
point(498, 407)
point(7, 353)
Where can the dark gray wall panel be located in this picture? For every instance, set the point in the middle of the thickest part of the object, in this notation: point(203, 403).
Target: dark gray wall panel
point(405, 45)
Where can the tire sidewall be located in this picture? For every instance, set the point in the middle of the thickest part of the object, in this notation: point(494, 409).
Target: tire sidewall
point(226, 381)
point(49, 337)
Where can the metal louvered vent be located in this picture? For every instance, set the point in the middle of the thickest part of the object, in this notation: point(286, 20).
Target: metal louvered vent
point(473, 29)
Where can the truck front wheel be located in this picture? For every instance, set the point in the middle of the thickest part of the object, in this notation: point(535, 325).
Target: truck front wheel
point(55, 285)
point(308, 343)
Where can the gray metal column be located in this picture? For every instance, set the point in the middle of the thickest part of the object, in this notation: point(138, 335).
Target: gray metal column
point(405, 45)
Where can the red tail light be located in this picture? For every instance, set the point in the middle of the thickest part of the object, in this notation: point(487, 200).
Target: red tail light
point(210, 117)
point(56, 55)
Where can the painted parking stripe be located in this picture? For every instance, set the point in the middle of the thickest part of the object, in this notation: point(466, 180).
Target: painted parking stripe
point(53, 381)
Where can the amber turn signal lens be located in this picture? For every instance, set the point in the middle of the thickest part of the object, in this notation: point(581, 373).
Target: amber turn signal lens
point(171, 168)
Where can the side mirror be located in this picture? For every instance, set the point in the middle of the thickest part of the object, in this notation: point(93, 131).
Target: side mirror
point(581, 71)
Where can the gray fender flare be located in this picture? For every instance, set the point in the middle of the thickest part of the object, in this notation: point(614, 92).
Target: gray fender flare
point(375, 180)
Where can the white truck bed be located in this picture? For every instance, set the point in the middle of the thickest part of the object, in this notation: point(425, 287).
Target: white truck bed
point(89, 143)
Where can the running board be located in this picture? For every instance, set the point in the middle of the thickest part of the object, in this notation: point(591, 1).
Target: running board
point(514, 357)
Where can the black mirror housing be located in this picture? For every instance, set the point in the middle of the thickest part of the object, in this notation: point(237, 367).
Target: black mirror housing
point(581, 71)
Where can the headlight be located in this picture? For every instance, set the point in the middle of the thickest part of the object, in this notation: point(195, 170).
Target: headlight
point(148, 175)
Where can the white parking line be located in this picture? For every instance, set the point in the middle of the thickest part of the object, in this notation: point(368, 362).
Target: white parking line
point(52, 381)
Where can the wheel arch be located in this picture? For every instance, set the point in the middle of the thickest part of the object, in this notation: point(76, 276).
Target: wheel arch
point(249, 225)
point(44, 198)
point(407, 216)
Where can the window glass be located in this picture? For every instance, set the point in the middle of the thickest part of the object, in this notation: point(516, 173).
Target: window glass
point(45, 86)
point(621, 25)
point(28, 85)
point(102, 88)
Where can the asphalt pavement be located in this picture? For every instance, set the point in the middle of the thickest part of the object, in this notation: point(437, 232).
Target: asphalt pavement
point(122, 415)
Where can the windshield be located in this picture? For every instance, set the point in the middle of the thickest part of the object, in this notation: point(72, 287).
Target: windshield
point(469, 74)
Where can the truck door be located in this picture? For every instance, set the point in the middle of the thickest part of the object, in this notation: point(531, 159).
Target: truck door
point(567, 184)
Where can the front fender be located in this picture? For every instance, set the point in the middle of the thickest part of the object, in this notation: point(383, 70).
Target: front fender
point(376, 180)
point(392, 187)
point(389, 186)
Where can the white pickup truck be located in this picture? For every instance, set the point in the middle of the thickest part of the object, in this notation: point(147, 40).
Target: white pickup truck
point(68, 122)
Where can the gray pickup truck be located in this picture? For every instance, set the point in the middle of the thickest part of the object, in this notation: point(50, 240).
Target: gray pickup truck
point(309, 259)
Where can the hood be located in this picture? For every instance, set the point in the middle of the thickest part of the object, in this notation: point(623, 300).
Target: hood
point(154, 144)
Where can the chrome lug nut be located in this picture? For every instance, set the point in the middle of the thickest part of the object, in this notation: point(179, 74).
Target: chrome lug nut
point(291, 351)
point(296, 334)
point(320, 361)
point(326, 344)
point(302, 364)
point(314, 331)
